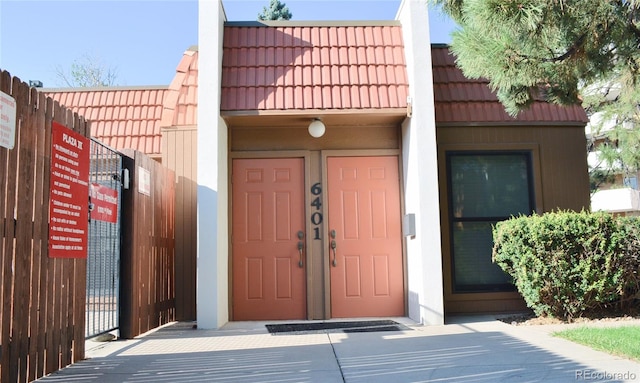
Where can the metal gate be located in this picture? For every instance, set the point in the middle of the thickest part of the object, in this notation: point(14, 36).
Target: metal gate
point(103, 260)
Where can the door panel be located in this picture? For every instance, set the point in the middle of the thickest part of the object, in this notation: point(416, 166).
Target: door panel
point(364, 211)
point(268, 212)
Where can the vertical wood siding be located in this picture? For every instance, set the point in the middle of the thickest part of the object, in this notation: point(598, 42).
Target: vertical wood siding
point(179, 154)
point(561, 181)
point(42, 300)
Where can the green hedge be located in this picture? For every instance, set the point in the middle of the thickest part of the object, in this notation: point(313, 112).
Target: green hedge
point(568, 264)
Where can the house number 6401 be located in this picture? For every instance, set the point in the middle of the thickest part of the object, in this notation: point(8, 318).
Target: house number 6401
point(316, 216)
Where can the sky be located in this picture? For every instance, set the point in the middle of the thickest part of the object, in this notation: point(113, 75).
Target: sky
point(143, 40)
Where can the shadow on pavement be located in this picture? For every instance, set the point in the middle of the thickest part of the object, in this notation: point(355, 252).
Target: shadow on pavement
point(178, 353)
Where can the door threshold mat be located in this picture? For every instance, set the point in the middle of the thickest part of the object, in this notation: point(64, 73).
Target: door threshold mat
point(360, 326)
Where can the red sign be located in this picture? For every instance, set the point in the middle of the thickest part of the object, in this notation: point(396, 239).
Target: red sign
point(105, 203)
point(69, 205)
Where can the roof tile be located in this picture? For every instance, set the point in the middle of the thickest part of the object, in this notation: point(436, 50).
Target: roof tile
point(327, 67)
point(184, 64)
point(462, 100)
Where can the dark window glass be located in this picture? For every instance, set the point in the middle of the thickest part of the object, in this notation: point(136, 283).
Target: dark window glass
point(484, 188)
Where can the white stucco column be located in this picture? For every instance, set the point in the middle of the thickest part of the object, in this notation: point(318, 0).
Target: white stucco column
point(212, 262)
point(420, 160)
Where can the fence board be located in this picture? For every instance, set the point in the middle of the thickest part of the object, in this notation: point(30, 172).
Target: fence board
point(4, 279)
point(80, 288)
point(50, 354)
point(66, 319)
point(10, 232)
point(24, 213)
point(58, 282)
point(35, 244)
point(41, 226)
point(5, 275)
point(24, 227)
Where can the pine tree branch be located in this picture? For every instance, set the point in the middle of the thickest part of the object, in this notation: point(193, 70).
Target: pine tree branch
point(632, 9)
point(571, 51)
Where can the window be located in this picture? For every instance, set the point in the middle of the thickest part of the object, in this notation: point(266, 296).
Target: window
point(484, 188)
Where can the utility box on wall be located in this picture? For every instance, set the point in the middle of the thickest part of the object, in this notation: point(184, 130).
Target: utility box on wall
point(409, 225)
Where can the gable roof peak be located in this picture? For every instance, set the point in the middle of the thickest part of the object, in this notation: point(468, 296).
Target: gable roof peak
point(102, 88)
point(314, 23)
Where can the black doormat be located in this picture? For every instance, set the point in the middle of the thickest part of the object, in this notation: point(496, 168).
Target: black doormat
point(360, 326)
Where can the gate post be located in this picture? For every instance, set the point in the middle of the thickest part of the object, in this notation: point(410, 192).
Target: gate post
point(126, 251)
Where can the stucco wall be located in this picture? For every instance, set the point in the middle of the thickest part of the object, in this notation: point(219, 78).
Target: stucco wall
point(212, 270)
point(420, 164)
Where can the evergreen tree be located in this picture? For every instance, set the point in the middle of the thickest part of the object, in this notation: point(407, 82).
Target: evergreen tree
point(561, 51)
point(276, 11)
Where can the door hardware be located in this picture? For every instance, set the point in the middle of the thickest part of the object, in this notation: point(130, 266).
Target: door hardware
point(333, 247)
point(300, 247)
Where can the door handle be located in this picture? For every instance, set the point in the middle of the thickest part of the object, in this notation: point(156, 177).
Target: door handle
point(333, 248)
point(300, 248)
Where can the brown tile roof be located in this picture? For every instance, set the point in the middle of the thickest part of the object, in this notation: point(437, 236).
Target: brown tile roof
point(459, 100)
point(131, 117)
point(301, 67)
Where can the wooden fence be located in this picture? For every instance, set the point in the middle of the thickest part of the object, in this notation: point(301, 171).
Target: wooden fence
point(147, 295)
point(42, 301)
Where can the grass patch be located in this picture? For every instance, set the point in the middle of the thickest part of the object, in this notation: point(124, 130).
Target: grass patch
point(621, 341)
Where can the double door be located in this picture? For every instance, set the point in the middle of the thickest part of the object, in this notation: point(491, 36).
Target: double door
point(282, 222)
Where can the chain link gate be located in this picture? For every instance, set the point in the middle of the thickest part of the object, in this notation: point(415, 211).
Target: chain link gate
point(103, 259)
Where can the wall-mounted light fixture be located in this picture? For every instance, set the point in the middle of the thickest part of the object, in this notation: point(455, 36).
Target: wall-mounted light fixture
point(316, 128)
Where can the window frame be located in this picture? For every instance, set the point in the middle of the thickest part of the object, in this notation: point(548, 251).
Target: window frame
point(528, 155)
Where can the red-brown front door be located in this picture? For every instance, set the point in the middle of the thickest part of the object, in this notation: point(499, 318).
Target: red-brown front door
point(268, 215)
point(364, 225)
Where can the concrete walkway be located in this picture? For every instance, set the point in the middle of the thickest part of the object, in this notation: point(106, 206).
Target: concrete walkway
point(478, 349)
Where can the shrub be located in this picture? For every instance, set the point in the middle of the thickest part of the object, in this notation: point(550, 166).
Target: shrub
point(568, 264)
